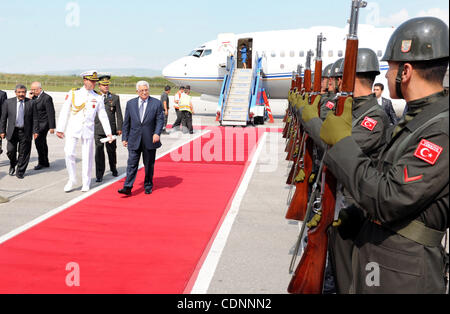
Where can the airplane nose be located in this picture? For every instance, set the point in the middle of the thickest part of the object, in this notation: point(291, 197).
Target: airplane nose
point(166, 71)
point(172, 70)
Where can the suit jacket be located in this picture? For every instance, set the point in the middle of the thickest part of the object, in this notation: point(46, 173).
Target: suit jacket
point(3, 97)
point(387, 106)
point(134, 131)
point(45, 112)
point(114, 113)
point(8, 119)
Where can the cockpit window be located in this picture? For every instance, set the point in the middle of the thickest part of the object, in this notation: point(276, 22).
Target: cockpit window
point(196, 53)
point(207, 52)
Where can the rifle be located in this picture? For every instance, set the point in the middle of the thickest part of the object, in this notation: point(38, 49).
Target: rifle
point(297, 208)
point(309, 275)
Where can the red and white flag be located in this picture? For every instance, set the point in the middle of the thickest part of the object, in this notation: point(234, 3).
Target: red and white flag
point(428, 152)
point(369, 123)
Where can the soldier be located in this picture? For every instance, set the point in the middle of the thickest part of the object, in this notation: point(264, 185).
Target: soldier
point(334, 79)
point(405, 197)
point(326, 94)
point(369, 130)
point(83, 105)
point(114, 112)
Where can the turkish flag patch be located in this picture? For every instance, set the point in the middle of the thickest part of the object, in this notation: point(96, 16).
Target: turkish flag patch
point(428, 152)
point(369, 123)
point(330, 105)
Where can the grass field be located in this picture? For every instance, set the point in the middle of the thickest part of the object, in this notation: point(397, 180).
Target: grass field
point(119, 85)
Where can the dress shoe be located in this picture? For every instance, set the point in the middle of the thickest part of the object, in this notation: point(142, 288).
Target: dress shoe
point(12, 171)
point(68, 187)
point(85, 188)
point(99, 180)
point(115, 173)
point(148, 191)
point(39, 167)
point(126, 191)
point(19, 175)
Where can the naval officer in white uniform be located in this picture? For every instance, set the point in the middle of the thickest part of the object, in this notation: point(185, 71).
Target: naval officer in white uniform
point(78, 114)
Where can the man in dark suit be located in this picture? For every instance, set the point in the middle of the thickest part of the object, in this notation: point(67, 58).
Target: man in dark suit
point(18, 123)
point(386, 104)
point(142, 127)
point(114, 112)
point(46, 122)
point(3, 97)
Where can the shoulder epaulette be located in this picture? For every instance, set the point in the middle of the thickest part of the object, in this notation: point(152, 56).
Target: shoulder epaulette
point(96, 92)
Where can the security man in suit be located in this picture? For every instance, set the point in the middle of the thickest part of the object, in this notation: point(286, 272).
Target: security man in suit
point(114, 112)
point(405, 197)
point(385, 103)
point(19, 125)
point(46, 122)
point(3, 97)
point(76, 123)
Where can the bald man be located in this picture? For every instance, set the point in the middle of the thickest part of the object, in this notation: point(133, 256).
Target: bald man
point(46, 122)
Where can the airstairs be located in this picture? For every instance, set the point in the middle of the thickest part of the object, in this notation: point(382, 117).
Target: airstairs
point(240, 94)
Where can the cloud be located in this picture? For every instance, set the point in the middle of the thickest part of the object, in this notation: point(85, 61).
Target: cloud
point(436, 12)
point(395, 19)
point(403, 15)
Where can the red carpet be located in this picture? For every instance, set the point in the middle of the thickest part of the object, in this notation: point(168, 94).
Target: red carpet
point(138, 244)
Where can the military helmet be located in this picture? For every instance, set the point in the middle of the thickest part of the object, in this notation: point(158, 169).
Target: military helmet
point(335, 69)
point(367, 62)
point(326, 72)
point(418, 39)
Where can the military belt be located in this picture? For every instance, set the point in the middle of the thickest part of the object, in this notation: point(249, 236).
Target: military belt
point(417, 231)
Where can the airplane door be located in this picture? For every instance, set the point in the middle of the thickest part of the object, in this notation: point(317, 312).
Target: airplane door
point(244, 52)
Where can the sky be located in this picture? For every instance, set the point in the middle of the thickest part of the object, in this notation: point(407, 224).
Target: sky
point(44, 35)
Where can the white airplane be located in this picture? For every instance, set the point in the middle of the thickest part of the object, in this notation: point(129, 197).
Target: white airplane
point(281, 51)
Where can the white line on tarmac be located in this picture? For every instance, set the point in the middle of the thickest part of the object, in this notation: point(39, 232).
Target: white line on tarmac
point(209, 266)
point(55, 211)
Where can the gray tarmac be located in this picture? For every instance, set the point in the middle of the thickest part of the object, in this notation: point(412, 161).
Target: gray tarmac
point(257, 254)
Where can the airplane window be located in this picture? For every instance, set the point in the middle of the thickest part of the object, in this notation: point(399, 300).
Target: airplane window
point(282, 54)
point(330, 53)
point(380, 53)
point(197, 53)
point(292, 54)
point(206, 53)
point(273, 54)
point(302, 53)
point(340, 53)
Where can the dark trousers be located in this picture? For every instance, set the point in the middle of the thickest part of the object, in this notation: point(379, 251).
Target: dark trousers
point(134, 156)
point(20, 143)
point(187, 120)
point(100, 156)
point(178, 120)
point(1, 150)
point(340, 260)
point(165, 122)
point(42, 147)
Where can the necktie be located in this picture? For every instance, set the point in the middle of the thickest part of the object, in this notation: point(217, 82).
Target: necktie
point(141, 110)
point(20, 119)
